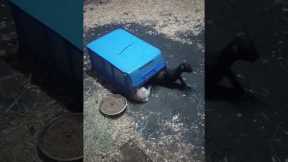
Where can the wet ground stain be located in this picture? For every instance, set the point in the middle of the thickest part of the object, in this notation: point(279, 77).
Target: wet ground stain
point(132, 152)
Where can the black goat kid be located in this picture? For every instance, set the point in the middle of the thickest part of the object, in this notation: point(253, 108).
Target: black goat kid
point(240, 48)
point(168, 77)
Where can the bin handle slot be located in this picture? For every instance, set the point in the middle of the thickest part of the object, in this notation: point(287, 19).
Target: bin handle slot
point(126, 48)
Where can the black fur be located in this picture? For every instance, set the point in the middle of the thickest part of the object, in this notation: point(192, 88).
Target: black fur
point(240, 48)
point(168, 77)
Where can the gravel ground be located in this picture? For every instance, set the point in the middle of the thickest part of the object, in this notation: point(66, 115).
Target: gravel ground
point(166, 17)
point(166, 128)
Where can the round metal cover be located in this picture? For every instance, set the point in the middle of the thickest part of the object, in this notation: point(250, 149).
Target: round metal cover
point(113, 105)
point(62, 138)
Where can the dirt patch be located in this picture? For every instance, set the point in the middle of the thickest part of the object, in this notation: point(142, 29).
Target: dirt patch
point(166, 17)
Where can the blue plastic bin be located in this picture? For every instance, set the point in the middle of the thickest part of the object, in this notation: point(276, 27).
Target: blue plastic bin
point(125, 60)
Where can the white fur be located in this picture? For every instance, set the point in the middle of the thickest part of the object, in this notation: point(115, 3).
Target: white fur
point(142, 94)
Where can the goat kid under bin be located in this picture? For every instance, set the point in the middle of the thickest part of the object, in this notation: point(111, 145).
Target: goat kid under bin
point(124, 60)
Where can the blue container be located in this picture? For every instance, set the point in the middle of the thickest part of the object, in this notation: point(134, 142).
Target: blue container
point(125, 60)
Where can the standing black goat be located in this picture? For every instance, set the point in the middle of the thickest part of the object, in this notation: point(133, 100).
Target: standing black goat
point(240, 48)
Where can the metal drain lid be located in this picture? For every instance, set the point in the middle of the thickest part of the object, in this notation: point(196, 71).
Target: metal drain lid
point(62, 139)
point(113, 104)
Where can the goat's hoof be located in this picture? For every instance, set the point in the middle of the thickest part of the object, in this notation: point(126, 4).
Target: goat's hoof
point(187, 88)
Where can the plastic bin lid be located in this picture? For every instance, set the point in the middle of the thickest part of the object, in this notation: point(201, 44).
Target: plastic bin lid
point(124, 50)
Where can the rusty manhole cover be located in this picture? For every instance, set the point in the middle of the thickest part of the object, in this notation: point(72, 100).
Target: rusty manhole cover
point(113, 105)
point(62, 138)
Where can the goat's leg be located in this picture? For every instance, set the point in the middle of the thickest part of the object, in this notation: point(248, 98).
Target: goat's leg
point(235, 82)
point(183, 83)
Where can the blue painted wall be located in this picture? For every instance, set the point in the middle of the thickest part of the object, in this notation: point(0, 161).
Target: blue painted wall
point(65, 17)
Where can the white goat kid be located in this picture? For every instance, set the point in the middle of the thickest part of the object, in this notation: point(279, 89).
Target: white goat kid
point(142, 94)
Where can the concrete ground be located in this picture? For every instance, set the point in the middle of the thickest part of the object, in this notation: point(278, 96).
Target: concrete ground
point(170, 127)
